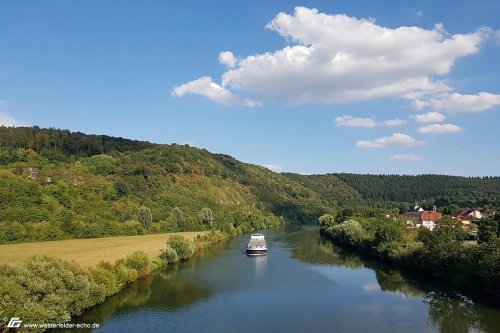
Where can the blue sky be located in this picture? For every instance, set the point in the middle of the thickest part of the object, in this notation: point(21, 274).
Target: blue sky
point(326, 86)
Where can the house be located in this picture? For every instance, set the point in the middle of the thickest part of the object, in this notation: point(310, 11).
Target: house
point(422, 218)
point(33, 172)
point(468, 215)
point(428, 219)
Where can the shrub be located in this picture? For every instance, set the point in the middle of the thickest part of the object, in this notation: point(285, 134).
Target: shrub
point(169, 255)
point(139, 261)
point(349, 233)
point(124, 274)
point(184, 247)
point(387, 232)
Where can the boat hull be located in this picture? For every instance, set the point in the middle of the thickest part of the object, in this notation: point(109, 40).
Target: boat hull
point(253, 252)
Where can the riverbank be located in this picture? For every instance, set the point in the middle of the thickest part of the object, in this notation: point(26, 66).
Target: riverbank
point(441, 253)
point(89, 252)
point(45, 290)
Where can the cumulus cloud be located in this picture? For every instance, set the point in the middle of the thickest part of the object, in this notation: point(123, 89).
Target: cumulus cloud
point(205, 86)
point(349, 121)
point(456, 102)
point(439, 129)
point(409, 157)
point(273, 167)
point(430, 117)
point(9, 121)
point(395, 139)
point(337, 58)
point(227, 58)
point(394, 122)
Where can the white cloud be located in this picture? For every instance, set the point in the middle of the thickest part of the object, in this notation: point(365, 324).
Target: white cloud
point(227, 58)
point(394, 122)
point(439, 129)
point(9, 121)
point(336, 58)
point(273, 167)
point(206, 87)
point(396, 138)
point(456, 102)
point(419, 13)
point(429, 117)
point(408, 157)
point(349, 121)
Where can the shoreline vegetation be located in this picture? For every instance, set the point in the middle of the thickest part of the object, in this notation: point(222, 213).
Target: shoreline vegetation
point(441, 253)
point(45, 289)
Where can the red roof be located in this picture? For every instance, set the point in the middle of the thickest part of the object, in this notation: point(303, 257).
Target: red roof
point(430, 216)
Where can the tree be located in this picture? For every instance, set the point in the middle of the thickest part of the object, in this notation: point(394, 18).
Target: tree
point(205, 216)
point(388, 232)
point(182, 246)
point(177, 215)
point(145, 217)
point(344, 215)
point(489, 229)
point(326, 220)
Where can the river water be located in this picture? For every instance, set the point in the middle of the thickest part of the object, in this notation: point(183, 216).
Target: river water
point(305, 284)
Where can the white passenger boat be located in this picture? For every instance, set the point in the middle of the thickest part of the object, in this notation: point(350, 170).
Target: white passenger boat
point(257, 245)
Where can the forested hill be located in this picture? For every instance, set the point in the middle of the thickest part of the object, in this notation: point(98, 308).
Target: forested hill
point(74, 143)
point(444, 189)
point(49, 189)
point(59, 184)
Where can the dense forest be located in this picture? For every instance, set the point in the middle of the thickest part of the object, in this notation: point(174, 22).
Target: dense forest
point(464, 191)
point(56, 184)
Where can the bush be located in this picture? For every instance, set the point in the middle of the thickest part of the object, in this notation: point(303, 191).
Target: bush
point(184, 247)
point(139, 261)
point(349, 233)
point(387, 232)
point(124, 274)
point(169, 255)
point(391, 251)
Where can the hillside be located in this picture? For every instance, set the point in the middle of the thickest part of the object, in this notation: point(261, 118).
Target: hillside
point(425, 189)
point(54, 192)
point(56, 184)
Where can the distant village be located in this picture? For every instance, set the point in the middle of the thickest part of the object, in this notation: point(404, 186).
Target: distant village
point(429, 219)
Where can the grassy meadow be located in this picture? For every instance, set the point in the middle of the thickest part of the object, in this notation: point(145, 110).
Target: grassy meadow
point(89, 252)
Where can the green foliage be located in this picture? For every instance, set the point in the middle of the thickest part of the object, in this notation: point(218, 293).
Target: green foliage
point(47, 290)
point(169, 255)
point(140, 262)
point(206, 217)
point(344, 215)
point(348, 233)
point(388, 231)
point(489, 229)
point(326, 220)
point(182, 246)
point(93, 186)
point(145, 217)
point(426, 189)
point(441, 253)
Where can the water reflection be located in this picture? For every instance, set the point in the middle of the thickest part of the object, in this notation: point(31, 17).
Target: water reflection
point(449, 310)
point(165, 289)
point(260, 267)
point(323, 288)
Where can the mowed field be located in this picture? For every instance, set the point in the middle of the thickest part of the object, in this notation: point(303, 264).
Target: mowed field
point(89, 252)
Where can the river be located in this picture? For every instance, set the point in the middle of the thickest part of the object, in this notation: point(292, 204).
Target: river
point(305, 284)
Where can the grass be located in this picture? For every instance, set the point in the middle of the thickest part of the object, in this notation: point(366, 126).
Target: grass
point(89, 252)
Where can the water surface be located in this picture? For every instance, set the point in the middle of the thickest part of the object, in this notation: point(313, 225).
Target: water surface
point(304, 285)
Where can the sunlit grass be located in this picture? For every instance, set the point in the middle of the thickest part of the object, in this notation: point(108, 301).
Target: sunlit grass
point(89, 252)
